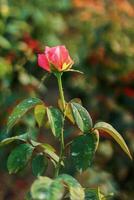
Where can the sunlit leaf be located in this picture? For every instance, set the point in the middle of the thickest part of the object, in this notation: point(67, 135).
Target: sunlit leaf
point(82, 151)
point(7, 141)
point(76, 192)
point(48, 147)
point(45, 188)
point(56, 190)
point(40, 188)
point(82, 117)
point(20, 110)
point(39, 112)
point(74, 70)
point(114, 134)
point(39, 164)
point(96, 135)
point(4, 43)
point(68, 111)
point(50, 151)
point(56, 121)
point(19, 157)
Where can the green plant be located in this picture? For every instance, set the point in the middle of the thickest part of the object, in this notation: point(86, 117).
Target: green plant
point(82, 147)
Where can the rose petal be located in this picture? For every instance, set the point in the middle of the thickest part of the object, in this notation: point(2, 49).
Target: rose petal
point(53, 56)
point(59, 57)
point(43, 62)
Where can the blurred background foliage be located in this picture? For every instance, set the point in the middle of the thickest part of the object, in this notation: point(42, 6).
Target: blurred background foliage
point(100, 37)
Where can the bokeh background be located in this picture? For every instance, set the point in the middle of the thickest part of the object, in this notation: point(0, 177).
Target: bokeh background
point(100, 37)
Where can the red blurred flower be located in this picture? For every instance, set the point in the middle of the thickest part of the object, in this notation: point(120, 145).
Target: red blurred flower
point(32, 44)
point(55, 58)
point(129, 92)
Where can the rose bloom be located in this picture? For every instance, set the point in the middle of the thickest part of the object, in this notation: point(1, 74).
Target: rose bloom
point(55, 59)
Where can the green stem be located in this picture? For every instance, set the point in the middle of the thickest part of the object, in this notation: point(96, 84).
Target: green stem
point(59, 75)
point(62, 145)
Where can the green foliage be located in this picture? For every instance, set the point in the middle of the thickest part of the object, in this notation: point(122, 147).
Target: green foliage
point(39, 112)
point(83, 149)
point(102, 46)
point(50, 151)
point(114, 134)
point(19, 157)
point(93, 194)
point(76, 191)
point(20, 110)
point(40, 188)
point(82, 117)
point(56, 120)
point(39, 164)
point(45, 188)
point(7, 141)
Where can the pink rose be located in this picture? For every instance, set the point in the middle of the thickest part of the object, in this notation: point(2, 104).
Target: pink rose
point(55, 58)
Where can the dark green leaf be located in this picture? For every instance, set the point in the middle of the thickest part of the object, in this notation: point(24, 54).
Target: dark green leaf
point(19, 158)
point(28, 196)
point(20, 110)
point(82, 151)
point(82, 117)
point(56, 120)
point(92, 194)
point(39, 164)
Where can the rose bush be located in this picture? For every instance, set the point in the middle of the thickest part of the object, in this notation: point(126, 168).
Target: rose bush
point(82, 147)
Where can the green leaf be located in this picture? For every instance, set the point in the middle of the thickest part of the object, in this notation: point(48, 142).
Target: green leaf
point(56, 120)
point(50, 151)
point(48, 147)
point(76, 100)
point(93, 194)
point(82, 151)
point(74, 70)
point(82, 117)
point(4, 43)
point(39, 112)
point(47, 189)
point(40, 188)
point(68, 110)
point(56, 190)
point(114, 134)
point(20, 110)
point(39, 164)
point(7, 141)
point(19, 158)
point(76, 192)
point(97, 136)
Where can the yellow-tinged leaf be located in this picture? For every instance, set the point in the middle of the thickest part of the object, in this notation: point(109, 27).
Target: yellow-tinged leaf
point(69, 114)
point(96, 133)
point(76, 100)
point(68, 109)
point(115, 134)
point(39, 112)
